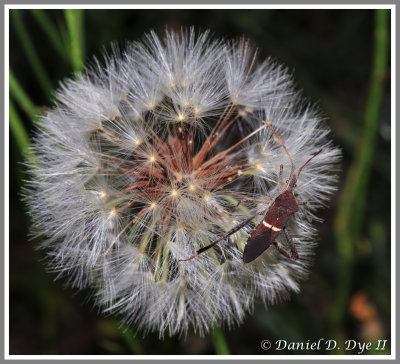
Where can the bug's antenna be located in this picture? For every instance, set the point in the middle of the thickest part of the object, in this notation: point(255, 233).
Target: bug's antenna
point(284, 147)
point(298, 173)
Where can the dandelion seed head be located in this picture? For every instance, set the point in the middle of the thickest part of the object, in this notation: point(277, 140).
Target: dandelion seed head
point(159, 151)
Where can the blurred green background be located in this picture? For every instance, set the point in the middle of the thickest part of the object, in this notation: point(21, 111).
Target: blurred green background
point(341, 58)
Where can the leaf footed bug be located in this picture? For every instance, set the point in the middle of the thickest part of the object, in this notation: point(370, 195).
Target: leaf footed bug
point(274, 221)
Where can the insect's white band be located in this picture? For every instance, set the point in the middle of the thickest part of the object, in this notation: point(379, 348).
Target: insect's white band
point(269, 226)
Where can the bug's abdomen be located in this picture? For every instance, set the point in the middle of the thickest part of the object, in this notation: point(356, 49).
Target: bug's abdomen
point(258, 242)
point(266, 231)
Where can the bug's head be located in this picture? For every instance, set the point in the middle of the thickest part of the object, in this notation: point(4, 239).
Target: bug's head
point(291, 183)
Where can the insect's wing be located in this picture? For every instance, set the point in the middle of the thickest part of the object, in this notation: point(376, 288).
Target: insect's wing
point(257, 243)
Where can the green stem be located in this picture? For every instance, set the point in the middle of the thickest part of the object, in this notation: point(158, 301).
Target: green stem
point(134, 345)
point(350, 213)
point(21, 97)
point(30, 52)
point(21, 136)
point(219, 341)
point(50, 29)
point(74, 19)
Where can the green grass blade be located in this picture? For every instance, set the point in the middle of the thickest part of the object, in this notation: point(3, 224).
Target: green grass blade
point(219, 341)
point(20, 135)
point(50, 30)
point(30, 52)
point(18, 93)
point(132, 342)
point(74, 19)
point(350, 212)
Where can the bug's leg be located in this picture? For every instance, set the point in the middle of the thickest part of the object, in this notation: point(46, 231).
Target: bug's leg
point(261, 202)
point(239, 203)
point(293, 254)
point(235, 208)
point(281, 250)
point(302, 202)
point(223, 237)
point(291, 243)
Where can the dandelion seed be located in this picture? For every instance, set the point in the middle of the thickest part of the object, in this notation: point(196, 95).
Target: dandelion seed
point(206, 197)
point(181, 117)
point(157, 154)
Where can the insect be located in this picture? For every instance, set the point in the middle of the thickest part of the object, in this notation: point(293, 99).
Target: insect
point(275, 219)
